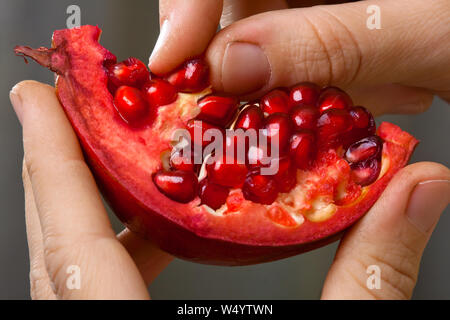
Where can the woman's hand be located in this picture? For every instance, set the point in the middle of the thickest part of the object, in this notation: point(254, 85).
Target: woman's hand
point(397, 69)
point(66, 221)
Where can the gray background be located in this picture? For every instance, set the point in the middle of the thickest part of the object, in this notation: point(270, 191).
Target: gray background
point(131, 28)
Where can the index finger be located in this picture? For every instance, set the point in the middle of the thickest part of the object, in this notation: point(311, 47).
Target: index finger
point(186, 29)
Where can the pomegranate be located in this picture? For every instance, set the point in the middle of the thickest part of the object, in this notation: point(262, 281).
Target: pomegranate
point(332, 165)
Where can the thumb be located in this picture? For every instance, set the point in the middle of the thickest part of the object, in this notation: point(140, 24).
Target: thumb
point(391, 237)
point(332, 45)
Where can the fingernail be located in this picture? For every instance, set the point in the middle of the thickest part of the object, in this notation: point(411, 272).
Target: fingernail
point(427, 202)
point(245, 68)
point(16, 102)
point(162, 38)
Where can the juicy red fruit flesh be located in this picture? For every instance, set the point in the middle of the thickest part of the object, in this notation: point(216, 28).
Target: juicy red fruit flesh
point(131, 105)
point(275, 101)
point(250, 118)
point(304, 94)
point(217, 110)
point(227, 172)
point(278, 128)
point(159, 92)
point(304, 117)
point(302, 149)
point(213, 195)
point(192, 76)
point(333, 98)
point(332, 125)
point(260, 188)
point(131, 72)
point(180, 186)
point(364, 149)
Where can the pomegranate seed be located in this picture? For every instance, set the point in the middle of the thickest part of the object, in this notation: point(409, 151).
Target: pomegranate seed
point(213, 195)
point(364, 149)
point(363, 126)
point(178, 161)
point(159, 92)
point(302, 149)
point(258, 156)
point(260, 189)
point(202, 127)
point(180, 186)
point(366, 172)
point(217, 110)
point(192, 76)
point(250, 118)
point(275, 101)
point(286, 177)
point(278, 126)
point(131, 72)
point(304, 94)
point(332, 125)
point(131, 105)
point(226, 172)
point(333, 98)
point(304, 117)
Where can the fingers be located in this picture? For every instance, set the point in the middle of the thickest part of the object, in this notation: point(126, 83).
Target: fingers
point(392, 98)
point(74, 225)
point(186, 29)
point(40, 287)
point(234, 10)
point(149, 259)
point(332, 45)
point(391, 237)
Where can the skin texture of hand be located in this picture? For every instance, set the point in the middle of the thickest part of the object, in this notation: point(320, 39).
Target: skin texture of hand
point(67, 223)
point(256, 50)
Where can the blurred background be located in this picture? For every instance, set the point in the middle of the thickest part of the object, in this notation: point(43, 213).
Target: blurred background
point(131, 28)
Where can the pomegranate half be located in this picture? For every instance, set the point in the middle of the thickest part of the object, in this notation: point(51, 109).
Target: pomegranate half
point(332, 164)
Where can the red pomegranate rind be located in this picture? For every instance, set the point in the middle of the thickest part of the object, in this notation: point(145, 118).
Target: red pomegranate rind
point(123, 168)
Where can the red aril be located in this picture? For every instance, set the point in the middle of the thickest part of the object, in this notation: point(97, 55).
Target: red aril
point(275, 101)
point(180, 186)
point(286, 177)
point(159, 92)
point(217, 110)
point(213, 195)
point(304, 94)
point(197, 130)
point(364, 149)
point(278, 128)
point(180, 161)
point(250, 118)
point(263, 217)
point(131, 72)
point(332, 125)
point(366, 172)
point(304, 117)
point(192, 76)
point(260, 189)
point(333, 98)
point(131, 105)
point(302, 149)
point(227, 172)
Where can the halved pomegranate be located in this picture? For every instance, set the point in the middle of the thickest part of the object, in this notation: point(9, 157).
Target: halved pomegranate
point(330, 170)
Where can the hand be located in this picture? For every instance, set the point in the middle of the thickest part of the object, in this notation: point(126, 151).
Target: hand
point(406, 61)
point(66, 221)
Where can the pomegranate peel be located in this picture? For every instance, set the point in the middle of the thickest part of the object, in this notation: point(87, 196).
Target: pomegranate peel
point(125, 160)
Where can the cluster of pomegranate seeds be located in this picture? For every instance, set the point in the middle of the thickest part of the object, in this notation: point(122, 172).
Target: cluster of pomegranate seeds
point(137, 95)
point(302, 122)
